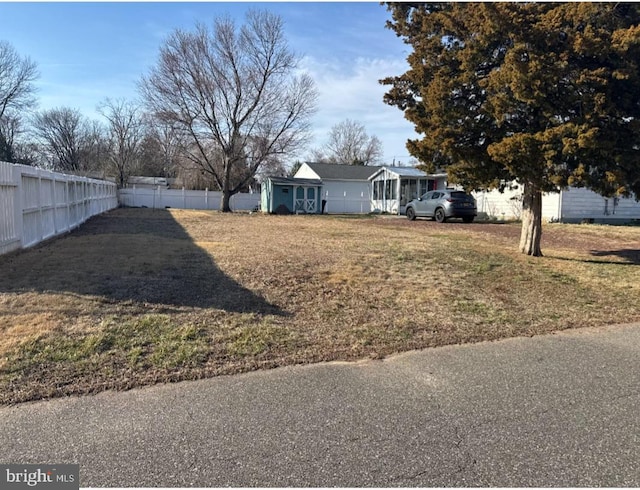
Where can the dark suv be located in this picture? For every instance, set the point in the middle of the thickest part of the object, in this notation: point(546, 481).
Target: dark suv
point(441, 205)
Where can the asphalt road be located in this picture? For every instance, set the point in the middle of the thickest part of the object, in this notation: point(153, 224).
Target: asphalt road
point(557, 410)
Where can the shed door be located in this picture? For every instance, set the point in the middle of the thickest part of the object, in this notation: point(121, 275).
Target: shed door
point(306, 199)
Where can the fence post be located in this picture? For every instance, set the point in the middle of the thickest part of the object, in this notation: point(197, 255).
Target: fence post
point(17, 204)
point(184, 198)
point(40, 216)
point(206, 198)
point(67, 212)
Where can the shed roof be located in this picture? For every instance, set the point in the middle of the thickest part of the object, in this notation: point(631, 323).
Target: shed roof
point(332, 171)
point(292, 181)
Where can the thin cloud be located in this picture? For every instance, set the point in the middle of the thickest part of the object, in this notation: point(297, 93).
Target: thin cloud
point(353, 92)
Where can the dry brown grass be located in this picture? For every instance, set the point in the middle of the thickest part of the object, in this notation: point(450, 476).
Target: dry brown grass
point(141, 296)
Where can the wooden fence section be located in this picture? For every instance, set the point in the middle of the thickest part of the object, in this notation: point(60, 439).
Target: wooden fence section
point(38, 204)
point(159, 197)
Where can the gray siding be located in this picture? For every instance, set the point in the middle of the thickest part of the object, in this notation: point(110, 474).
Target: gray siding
point(583, 204)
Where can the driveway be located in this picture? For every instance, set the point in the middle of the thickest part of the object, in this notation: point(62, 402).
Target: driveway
point(557, 410)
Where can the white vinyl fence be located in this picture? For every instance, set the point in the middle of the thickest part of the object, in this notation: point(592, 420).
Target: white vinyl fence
point(159, 197)
point(37, 204)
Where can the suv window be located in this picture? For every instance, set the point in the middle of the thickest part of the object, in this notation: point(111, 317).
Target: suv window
point(459, 195)
point(436, 195)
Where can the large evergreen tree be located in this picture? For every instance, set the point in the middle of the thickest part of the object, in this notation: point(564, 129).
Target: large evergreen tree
point(546, 94)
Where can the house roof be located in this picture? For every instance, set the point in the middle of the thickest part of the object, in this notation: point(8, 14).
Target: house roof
point(292, 181)
point(331, 171)
point(407, 172)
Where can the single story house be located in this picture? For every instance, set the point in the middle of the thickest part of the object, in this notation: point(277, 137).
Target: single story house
point(393, 187)
point(294, 195)
point(345, 188)
point(571, 205)
point(361, 189)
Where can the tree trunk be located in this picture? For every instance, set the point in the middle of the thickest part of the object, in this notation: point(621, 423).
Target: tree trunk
point(226, 201)
point(226, 186)
point(531, 221)
point(121, 178)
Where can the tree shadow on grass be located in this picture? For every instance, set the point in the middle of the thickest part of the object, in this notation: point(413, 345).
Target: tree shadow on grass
point(140, 255)
point(631, 256)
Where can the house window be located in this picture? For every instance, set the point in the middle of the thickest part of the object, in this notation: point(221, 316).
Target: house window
point(285, 190)
point(423, 186)
point(378, 190)
point(413, 189)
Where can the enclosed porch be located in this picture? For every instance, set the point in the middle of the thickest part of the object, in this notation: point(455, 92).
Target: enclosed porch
point(393, 187)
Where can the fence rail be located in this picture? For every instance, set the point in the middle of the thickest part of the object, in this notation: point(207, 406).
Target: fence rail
point(159, 197)
point(37, 204)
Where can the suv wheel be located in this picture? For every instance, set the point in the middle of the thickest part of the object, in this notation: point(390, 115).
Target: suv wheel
point(411, 214)
point(439, 216)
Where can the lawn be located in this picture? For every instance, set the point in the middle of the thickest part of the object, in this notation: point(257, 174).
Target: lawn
point(139, 296)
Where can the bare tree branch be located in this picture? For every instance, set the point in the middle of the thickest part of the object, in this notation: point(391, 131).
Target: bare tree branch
point(236, 94)
point(16, 77)
point(64, 134)
point(125, 131)
point(350, 144)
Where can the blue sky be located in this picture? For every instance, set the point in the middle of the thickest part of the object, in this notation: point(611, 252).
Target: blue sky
point(88, 51)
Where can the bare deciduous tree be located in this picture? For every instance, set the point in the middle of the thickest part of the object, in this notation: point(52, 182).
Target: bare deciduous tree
point(16, 77)
point(16, 96)
point(350, 144)
point(162, 149)
point(63, 133)
point(95, 149)
point(236, 95)
point(125, 131)
point(15, 146)
point(10, 128)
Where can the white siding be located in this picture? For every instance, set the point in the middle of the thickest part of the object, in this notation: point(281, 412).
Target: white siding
point(579, 204)
point(508, 204)
point(551, 206)
point(503, 205)
point(305, 172)
point(37, 204)
point(183, 199)
point(570, 205)
point(346, 197)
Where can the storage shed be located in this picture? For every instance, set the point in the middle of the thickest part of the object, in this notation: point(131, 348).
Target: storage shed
point(296, 195)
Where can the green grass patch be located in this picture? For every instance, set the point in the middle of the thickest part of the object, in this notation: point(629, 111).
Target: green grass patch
point(258, 339)
point(149, 341)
